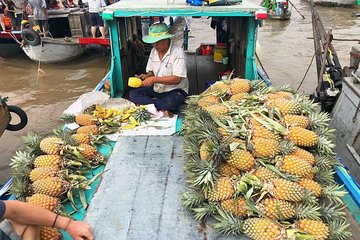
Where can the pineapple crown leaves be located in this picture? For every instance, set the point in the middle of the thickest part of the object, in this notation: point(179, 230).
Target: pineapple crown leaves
point(202, 172)
point(310, 211)
point(325, 177)
point(319, 120)
point(227, 223)
point(339, 230)
point(21, 164)
point(3, 99)
point(326, 162)
point(284, 88)
point(192, 198)
point(67, 118)
point(204, 211)
point(310, 198)
point(333, 211)
point(32, 142)
point(334, 193)
point(65, 135)
point(325, 146)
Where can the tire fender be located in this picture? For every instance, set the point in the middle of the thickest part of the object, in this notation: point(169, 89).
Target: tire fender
point(23, 119)
point(30, 36)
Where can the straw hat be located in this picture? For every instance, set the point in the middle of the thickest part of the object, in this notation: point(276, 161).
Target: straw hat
point(157, 32)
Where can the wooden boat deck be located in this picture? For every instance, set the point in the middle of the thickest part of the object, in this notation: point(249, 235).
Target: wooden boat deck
point(139, 196)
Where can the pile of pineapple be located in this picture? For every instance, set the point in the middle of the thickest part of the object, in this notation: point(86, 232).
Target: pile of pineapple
point(259, 160)
point(53, 170)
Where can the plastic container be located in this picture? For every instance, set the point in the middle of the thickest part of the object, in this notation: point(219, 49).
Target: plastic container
point(220, 51)
point(206, 50)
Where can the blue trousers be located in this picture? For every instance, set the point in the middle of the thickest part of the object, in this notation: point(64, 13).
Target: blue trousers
point(163, 101)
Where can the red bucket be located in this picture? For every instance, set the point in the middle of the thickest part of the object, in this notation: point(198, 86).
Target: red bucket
point(206, 50)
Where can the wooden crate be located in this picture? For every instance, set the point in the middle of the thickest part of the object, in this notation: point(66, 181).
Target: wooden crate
point(5, 117)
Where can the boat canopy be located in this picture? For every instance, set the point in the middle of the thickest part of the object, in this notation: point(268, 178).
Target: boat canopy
point(124, 19)
point(129, 8)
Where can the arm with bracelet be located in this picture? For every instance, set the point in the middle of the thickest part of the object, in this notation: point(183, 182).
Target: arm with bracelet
point(21, 213)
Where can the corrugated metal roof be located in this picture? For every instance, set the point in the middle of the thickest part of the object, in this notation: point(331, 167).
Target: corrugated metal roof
point(178, 8)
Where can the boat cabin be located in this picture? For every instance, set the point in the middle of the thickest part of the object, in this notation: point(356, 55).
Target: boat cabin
point(125, 20)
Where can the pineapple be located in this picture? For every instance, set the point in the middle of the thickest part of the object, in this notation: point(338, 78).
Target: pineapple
point(286, 107)
point(87, 151)
point(264, 147)
point(235, 206)
point(287, 95)
point(220, 88)
point(49, 233)
point(296, 121)
point(302, 137)
point(81, 119)
point(264, 174)
point(303, 154)
point(204, 151)
point(287, 190)
point(208, 100)
point(82, 138)
point(47, 161)
point(262, 229)
point(295, 165)
point(51, 145)
point(222, 190)
point(43, 172)
point(218, 109)
point(52, 186)
point(239, 85)
point(313, 186)
point(90, 129)
point(241, 159)
point(277, 209)
point(239, 96)
point(44, 201)
point(316, 228)
point(227, 170)
point(259, 131)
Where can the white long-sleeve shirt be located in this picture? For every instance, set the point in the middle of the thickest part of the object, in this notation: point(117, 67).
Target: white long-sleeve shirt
point(95, 5)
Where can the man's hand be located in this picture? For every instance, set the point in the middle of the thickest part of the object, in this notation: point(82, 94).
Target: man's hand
point(79, 230)
point(142, 76)
point(148, 82)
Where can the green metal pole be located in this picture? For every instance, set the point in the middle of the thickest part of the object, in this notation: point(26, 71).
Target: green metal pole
point(116, 78)
point(250, 71)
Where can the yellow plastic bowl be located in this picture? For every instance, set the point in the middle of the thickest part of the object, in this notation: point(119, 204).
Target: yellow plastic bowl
point(134, 82)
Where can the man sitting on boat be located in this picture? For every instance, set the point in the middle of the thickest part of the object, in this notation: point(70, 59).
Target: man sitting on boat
point(165, 84)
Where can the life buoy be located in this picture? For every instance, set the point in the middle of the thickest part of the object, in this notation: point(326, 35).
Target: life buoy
point(30, 36)
point(23, 119)
point(96, 50)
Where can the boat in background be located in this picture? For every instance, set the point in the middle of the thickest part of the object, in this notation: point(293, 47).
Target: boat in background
point(67, 27)
point(10, 44)
point(272, 13)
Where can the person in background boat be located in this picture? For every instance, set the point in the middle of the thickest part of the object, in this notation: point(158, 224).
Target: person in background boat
point(23, 221)
point(40, 15)
point(2, 8)
point(95, 18)
point(14, 15)
point(165, 84)
point(278, 7)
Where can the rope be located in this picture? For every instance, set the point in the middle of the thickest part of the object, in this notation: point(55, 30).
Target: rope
point(39, 69)
point(307, 71)
point(14, 37)
point(261, 65)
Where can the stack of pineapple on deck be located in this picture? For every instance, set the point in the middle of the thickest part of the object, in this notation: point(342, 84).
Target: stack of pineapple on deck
point(53, 170)
point(259, 160)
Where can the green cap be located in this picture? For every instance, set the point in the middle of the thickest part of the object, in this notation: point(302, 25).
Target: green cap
point(157, 32)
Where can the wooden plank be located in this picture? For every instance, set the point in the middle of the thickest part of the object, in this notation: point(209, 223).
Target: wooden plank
point(139, 196)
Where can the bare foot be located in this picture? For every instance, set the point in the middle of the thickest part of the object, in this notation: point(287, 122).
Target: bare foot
point(167, 113)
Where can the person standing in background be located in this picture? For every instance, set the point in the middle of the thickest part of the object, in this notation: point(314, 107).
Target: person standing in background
point(14, 14)
point(2, 7)
point(95, 18)
point(38, 8)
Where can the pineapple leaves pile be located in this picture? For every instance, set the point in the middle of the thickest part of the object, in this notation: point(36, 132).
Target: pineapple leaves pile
point(259, 160)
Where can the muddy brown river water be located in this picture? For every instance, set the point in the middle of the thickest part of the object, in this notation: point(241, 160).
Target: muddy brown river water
point(284, 51)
